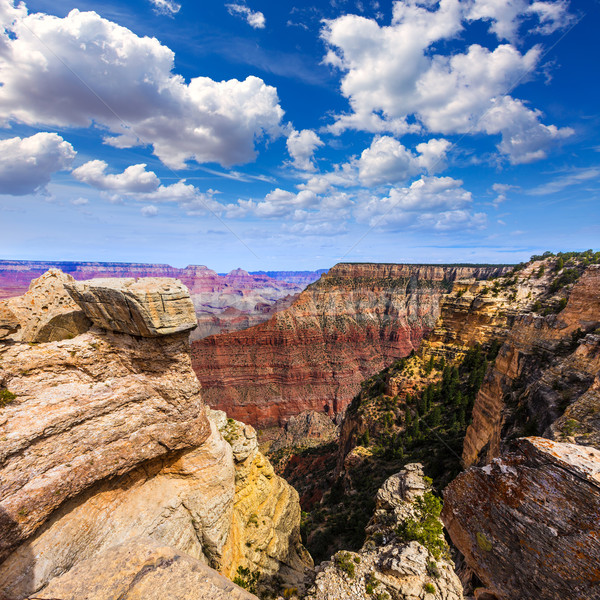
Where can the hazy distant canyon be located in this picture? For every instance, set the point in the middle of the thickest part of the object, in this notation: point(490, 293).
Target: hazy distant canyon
point(223, 302)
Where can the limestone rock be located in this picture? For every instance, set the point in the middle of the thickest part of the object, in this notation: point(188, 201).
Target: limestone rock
point(527, 523)
point(265, 532)
point(8, 321)
point(89, 408)
point(146, 307)
point(387, 566)
point(143, 570)
point(45, 313)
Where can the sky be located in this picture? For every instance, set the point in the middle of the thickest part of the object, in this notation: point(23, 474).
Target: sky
point(293, 135)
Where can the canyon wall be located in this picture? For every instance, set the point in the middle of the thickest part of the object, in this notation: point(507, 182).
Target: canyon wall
point(105, 441)
point(351, 323)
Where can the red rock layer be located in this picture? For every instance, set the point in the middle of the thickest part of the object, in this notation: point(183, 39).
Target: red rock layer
point(350, 324)
point(15, 275)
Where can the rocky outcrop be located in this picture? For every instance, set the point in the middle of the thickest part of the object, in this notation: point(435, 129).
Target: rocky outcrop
point(390, 564)
point(46, 313)
point(105, 438)
point(528, 521)
point(144, 569)
point(547, 367)
point(265, 530)
point(351, 323)
point(306, 430)
point(147, 307)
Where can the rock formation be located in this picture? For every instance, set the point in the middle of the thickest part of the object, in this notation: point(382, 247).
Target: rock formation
point(548, 365)
point(45, 313)
point(391, 564)
point(351, 323)
point(144, 569)
point(148, 307)
point(105, 439)
point(305, 430)
point(528, 521)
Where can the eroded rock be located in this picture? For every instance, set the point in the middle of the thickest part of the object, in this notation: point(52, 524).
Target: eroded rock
point(142, 569)
point(527, 523)
point(146, 307)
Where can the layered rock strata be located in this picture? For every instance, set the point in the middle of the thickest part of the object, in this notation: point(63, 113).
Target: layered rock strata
point(105, 438)
point(387, 566)
point(351, 323)
point(528, 521)
point(546, 376)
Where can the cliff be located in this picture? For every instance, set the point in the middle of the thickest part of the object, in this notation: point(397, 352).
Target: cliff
point(105, 440)
point(351, 323)
point(528, 521)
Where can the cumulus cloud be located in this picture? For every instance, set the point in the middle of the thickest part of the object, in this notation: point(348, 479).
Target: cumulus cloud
point(395, 83)
point(301, 147)
point(255, 19)
point(439, 203)
point(501, 190)
point(166, 7)
point(276, 204)
point(27, 164)
point(134, 179)
point(135, 94)
point(388, 161)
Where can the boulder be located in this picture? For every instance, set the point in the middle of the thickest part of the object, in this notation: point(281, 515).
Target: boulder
point(145, 307)
point(527, 523)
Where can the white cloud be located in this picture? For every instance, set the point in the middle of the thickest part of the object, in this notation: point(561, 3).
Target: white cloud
point(439, 203)
point(501, 190)
point(27, 164)
point(80, 201)
point(254, 18)
point(166, 7)
point(574, 177)
point(301, 147)
point(132, 84)
point(134, 179)
point(395, 83)
point(506, 16)
point(149, 211)
point(276, 204)
point(388, 161)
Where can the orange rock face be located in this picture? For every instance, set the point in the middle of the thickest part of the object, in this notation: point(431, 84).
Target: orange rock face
point(350, 324)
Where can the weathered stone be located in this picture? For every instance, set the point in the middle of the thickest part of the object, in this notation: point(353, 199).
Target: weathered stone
point(528, 524)
point(8, 320)
point(143, 570)
point(387, 566)
point(46, 313)
point(147, 307)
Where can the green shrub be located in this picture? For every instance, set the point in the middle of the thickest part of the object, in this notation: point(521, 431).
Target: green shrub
point(343, 561)
point(426, 528)
point(429, 588)
point(6, 397)
point(247, 579)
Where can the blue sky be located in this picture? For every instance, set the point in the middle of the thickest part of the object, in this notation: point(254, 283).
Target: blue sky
point(293, 135)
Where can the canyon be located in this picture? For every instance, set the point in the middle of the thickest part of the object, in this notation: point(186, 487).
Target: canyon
point(223, 302)
point(353, 321)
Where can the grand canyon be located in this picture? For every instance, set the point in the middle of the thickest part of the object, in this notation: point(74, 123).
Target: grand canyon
point(386, 384)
